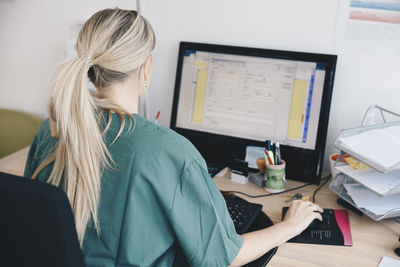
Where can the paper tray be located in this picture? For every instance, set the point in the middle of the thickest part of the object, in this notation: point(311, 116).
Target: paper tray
point(355, 131)
point(337, 186)
point(375, 117)
point(383, 184)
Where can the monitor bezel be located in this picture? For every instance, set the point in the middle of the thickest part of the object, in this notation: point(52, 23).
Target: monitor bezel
point(317, 153)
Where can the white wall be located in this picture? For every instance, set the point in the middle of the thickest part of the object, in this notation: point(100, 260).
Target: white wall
point(362, 79)
point(33, 35)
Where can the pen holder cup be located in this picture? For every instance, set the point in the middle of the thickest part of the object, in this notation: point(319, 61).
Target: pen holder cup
point(275, 177)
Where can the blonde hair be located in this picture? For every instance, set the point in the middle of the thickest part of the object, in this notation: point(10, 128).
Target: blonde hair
point(112, 45)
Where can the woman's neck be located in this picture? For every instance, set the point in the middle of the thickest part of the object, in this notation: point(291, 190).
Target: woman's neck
point(126, 94)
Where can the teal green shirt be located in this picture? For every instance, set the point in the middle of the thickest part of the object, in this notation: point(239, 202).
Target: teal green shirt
point(158, 205)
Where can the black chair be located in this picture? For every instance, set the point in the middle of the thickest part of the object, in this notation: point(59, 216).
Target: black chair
point(37, 225)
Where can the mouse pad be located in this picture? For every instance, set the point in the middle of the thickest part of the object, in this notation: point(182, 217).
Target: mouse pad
point(333, 230)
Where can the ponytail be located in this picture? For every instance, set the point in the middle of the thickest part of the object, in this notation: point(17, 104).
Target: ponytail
point(81, 153)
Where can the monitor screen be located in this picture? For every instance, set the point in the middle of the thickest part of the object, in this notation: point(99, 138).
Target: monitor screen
point(237, 96)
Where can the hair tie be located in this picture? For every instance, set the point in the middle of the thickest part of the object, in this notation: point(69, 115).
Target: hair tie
point(88, 60)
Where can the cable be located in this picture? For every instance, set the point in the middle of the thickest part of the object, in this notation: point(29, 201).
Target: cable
point(273, 194)
point(327, 178)
point(266, 195)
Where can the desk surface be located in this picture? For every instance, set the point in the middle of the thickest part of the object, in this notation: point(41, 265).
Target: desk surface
point(371, 240)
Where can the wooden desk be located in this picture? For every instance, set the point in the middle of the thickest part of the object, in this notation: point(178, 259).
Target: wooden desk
point(371, 240)
point(15, 163)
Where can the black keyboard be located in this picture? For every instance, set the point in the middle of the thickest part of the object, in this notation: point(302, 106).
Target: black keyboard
point(242, 212)
point(213, 169)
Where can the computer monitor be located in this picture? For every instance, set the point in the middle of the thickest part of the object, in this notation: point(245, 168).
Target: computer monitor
point(227, 98)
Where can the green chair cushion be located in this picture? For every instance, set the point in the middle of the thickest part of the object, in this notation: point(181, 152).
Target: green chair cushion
point(17, 130)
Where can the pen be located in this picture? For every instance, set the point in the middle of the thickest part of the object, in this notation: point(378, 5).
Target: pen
point(270, 149)
point(156, 120)
point(271, 156)
point(275, 155)
point(268, 158)
point(268, 145)
point(278, 154)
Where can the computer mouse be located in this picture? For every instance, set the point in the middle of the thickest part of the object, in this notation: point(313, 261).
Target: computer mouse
point(313, 223)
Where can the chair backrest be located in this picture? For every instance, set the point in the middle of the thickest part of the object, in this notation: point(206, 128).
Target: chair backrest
point(37, 225)
point(17, 130)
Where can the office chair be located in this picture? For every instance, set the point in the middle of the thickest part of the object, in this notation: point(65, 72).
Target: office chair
point(17, 130)
point(37, 225)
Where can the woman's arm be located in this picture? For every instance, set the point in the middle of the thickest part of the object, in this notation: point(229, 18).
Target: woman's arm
point(257, 243)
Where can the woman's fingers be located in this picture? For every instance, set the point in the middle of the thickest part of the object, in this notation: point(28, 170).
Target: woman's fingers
point(306, 204)
point(315, 207)
point(318, 216)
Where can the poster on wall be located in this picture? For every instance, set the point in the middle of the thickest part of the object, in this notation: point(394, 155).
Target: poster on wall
point(371, 26)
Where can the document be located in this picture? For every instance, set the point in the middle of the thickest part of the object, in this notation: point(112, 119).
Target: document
point(369, 25)
point(381, 183)
point(252, 154)
point(368, 200)
point(379, 146)
point(389, 262)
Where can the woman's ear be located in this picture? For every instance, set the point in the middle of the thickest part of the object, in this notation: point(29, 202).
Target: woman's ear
point(148, 69)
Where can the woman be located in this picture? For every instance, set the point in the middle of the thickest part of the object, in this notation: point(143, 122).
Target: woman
point(140, 193)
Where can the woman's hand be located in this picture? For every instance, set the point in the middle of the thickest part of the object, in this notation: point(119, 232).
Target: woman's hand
point(300, 214)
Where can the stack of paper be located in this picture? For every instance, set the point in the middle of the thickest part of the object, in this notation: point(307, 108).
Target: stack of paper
point(378, 146)
point(368, 200)
point(381, 183)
